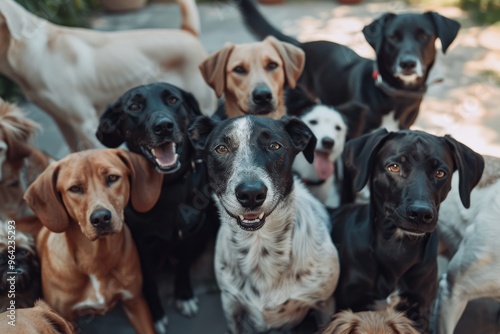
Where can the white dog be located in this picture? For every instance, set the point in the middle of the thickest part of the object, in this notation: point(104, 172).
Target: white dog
point(472, 237)
point(330, 129)
point(74, 73)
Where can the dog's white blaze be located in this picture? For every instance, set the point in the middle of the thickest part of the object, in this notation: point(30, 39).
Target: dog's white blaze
point(126, 295)
point(97, 301)
point(390, 122)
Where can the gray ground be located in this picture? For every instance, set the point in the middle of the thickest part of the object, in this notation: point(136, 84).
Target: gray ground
point(464, 105)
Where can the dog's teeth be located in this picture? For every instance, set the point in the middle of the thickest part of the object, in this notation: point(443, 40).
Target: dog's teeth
point(261, 215)
point(242, 218)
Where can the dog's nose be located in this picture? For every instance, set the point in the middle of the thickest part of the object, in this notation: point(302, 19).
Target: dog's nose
point(420, 213)
point(327, 143)
point(100, 218)
point(163, 127)
point(251, 195)
point(408, 63)
point(262, 95)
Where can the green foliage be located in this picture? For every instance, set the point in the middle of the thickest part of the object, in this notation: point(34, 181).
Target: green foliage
point(64, 12)
point(484, 11)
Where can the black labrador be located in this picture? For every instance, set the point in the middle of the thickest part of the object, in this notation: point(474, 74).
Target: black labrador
point(392, 86)
point(152, 120)
point(390, 245)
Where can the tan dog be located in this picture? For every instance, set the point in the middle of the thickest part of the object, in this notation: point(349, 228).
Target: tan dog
point(40, 319)
point(20, 162)
point(252, 76)
point(93, 263)
point(372, 322)
point(98, 66)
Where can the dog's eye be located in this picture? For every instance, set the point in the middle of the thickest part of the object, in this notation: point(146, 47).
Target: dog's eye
point(440, 174)
point(313, 122)
point(274, 146)
point(76, 189)
point(112, 178)
point(135, 107)
point(394, 168)
point(395, 37)
point(338, 128)
point(271, 66)
point(172, 99)
point(221, 149)
point(239, 70)
point(423, 37)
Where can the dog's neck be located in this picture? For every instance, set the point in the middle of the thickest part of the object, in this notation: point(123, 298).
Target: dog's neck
point(264, 255)
point(88, 255)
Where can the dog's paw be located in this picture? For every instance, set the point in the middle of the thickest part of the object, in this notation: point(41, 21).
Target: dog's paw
point(187, 307)
point(161, 325)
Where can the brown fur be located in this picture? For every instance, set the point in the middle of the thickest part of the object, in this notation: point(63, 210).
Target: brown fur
point(80, 263)
point(22, 163)
point(254, 58)
point(40, 319)
point(372, 322)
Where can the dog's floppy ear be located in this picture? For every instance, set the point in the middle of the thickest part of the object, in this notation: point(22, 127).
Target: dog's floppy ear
point(16, 149)
point(293, 59)
point(374, 32)
point(359, 154)
point(192, 104)
point(20, 22)
point(199, 131)
point(145, 181)
point(355, 116)
point(213, 69)
point(44, 199)
point(345, 322)
point(108, 132)
point(445, 29)
point(470, 167)
point(302, 137)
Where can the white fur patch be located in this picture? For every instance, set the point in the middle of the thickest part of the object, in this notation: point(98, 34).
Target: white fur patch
point(390, 122)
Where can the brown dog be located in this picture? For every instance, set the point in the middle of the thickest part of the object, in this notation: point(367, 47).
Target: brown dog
point(93, 263)
point(372, 322)
point(252, 76)
point(20, 163)
point(40, 319)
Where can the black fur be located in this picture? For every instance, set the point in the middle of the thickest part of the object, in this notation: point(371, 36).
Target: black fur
point(183, 220)
point(406, 188)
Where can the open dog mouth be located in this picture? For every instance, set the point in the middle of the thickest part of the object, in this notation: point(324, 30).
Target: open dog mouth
point(251, 222)
point(165, 157)
point(323, 165)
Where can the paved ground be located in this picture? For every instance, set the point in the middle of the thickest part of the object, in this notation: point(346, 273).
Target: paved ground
point(464, 105)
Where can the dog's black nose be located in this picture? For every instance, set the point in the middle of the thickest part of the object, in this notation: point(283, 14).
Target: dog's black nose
point(421, 213)
point(327, 143)
point(262, 95)
point(163, 127)
point(408, 63)
point(100, 218)
point(251, 195)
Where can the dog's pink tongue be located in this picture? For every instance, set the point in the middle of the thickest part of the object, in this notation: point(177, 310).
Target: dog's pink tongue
point(165, 154)
point(324, 167)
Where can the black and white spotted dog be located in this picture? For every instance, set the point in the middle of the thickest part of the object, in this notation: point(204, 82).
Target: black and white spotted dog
point(274, 260)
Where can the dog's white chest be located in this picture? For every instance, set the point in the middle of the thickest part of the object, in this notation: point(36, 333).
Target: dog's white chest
point(390, 122)
point(94, 297)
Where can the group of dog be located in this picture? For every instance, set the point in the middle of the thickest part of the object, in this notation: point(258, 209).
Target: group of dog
point(315, 208)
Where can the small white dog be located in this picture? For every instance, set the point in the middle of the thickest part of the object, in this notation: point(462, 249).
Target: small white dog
point(330, 128)
point(471, 237)
point(73, 74)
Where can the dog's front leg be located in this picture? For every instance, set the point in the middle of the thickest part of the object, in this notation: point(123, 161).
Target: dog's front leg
point(185, 301)
point(139, 316)
point(234, 315)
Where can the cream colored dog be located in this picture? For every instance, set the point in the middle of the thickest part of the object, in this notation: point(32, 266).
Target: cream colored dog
point(74, 73)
